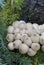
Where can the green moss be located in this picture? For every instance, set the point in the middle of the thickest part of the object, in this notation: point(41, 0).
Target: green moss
point(8, 15)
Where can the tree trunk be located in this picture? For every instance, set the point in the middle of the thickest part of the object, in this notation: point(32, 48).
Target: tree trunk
point(12, 5)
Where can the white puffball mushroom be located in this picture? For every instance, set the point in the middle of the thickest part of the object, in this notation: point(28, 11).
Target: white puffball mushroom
point(22, 22)
point(11, 46)
point(17, 30)
point(16, 43)
point(22, 25)
point(10, 37)
point(42, 34)
point(23, 31)
point(17, 36)
point(30, 32)
point(31, 52)
point(10, 29)
point(23, 48)
point(28, 41)
point(36, 27)
point(15, 24)
point(35, 38)
point(43, 48)
point(23, 37)
point(29, 25)
point(41, 28)
point(35, 46)
point(42, 40)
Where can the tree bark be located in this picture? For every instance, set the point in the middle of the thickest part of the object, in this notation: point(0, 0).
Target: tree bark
point(12, 5)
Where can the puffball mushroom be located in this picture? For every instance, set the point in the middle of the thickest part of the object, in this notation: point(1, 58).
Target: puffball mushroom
point(10, 37)
point(26, 37)
point(15, 24)
point(22, 25)
point(35, 46)
point(42, 40)
point(28, 41)
point(35, 38)
point(23, 48)
point(22, 22)
point(29, 25)
point(30, 32)
point(16, 43)
point(17, 30)
point(23, 31)
point(10, 29)
point(36, 27)
point(10, 46)
point(31, 52)
point(17, 36)
point(42, 34)
point(41, 28)
point(43, 48)
point(23, 37)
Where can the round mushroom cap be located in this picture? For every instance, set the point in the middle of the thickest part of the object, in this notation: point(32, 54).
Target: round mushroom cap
point(22, 22)
point(22, 26)
point(15, 24)
point(36, 27)
point(42, 34)
point(41, 28)
point(17, 30)
point(17, 36)
point(35, 46)
point(30, 32)
point(35, 38)
point(42, 40)
point(43, 48)
point(23, 48)
point(11, 46)
point(31, 52)
point(23, 37)
point(10, 29)
point(10, 37)
point(16, 43)
point(23, 31)
point(28, 41)
point(29, 25)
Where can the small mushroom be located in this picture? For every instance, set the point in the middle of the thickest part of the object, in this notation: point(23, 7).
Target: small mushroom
point(22, 25)
point(22, 22)
point(35, 46)
point(10, 29)
point(36, 27)
point(29, 25)
point(16, 43)
point(31, 52)
point(23, 48)
point(42, 40)
point(15, 24)
point(23, 31)
point(28, 41)
point(42, 34)
point(17, 30)
point(41, 28)
point(23, 37)
point(10, 46)
point(17, 36)
point(43, 48)
point(30, 32)
point(10, 37)
point(35, 38)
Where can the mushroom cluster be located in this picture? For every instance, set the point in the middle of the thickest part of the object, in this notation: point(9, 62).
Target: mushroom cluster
point(28, 38)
